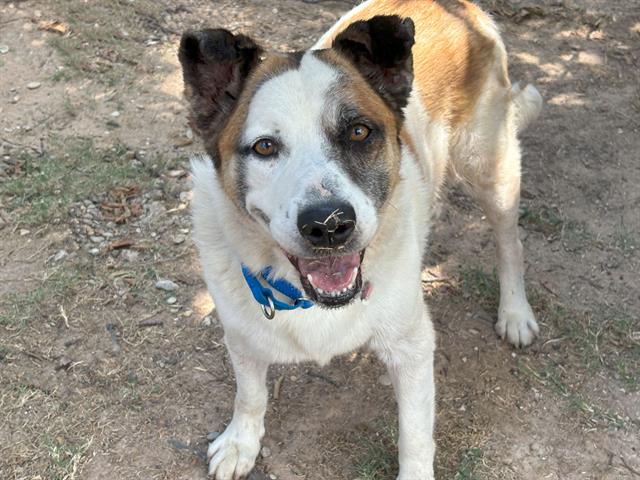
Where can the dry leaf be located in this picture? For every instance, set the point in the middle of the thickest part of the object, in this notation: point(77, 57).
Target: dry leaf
point(53, 26)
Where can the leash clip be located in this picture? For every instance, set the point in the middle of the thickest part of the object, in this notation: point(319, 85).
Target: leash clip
point(269, 311)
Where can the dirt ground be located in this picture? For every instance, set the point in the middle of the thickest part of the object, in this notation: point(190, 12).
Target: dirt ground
point(103, 375)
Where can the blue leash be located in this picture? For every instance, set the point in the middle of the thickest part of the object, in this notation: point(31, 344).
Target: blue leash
point(265, 296)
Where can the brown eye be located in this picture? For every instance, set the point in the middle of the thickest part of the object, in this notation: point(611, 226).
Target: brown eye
point(264, 147)
point(359, 133)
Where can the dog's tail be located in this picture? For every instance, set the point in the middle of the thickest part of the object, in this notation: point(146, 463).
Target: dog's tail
point(528, 103)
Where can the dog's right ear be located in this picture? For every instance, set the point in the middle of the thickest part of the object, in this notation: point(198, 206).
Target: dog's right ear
point(215, 65)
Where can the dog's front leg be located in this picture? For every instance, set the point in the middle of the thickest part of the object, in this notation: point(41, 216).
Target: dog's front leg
point(409, 361)
point(233, 454)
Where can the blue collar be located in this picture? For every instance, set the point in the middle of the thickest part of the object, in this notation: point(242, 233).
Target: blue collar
point(265, 296)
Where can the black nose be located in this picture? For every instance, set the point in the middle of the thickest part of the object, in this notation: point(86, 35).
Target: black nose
point(327, 225)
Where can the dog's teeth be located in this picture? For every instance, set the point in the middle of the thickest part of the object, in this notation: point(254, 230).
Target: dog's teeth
point(320, 291)
point(344, 290)
point(310, 278)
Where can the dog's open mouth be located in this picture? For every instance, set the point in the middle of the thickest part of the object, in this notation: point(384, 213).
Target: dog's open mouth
point(331, 281)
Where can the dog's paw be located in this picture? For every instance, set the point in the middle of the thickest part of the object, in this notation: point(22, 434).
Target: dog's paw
point(518, 325)
point(425, 473)
point(232, 455)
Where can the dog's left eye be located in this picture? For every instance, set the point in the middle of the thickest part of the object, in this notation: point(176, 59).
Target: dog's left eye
point(359, 133)
point(265, 147)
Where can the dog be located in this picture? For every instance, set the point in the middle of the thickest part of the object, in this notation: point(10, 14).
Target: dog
point(322, 172)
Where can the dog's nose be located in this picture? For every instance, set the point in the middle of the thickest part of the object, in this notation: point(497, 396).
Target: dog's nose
point(327, 225)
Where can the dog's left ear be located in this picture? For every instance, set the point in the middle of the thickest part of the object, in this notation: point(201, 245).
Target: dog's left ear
point(380, 48)
point(215, 65)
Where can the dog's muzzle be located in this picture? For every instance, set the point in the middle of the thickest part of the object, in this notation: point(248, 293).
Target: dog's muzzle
point(331, 276)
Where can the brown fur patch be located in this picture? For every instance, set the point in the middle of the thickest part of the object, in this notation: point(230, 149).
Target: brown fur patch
point(453, 55)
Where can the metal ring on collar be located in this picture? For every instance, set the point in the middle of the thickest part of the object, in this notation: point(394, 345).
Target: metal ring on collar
point(269, 311)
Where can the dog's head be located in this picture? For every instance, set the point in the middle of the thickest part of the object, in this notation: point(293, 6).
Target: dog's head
point(306, 144)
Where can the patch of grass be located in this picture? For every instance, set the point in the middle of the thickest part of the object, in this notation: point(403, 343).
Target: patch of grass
point(17, 310)
point(625, 240)
point(469, 462)
point(482, 287)
point(70, 171)
point(62, 75)
point(542, 219)
point(552, 377)
point(65, 458)
point(594, 341)
point(380, 458)
point(606, 340)
point(106, 39)
point(69, 108)
point(574, 235)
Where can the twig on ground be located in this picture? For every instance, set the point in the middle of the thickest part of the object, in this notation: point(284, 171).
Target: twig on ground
point(63, 314)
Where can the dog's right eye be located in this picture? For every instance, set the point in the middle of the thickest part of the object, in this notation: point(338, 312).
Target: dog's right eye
point(265, 147)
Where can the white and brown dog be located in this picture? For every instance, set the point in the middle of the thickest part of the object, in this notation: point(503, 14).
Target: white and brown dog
point(313, 204)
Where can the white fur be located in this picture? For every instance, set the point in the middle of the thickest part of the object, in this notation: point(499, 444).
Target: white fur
point(394, 322)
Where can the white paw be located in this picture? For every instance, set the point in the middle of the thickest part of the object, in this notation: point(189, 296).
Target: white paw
point(517, 324)
point(232, 455)
point(420, 474)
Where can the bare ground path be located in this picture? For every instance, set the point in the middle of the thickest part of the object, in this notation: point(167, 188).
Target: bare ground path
point(102, 375)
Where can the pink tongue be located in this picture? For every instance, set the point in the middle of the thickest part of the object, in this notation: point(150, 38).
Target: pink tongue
point(330, 273)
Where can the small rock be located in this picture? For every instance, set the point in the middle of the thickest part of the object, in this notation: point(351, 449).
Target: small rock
point(4, 49)
point(273, 476)
point(185, 197)
point(157, 194)
point(115, 114)
point(177, 173)
point(187, 313)
point(265, 452)
point(166, 285)
point(177, 444)
point(24, 231)
point(63, 363)
point(59, 256)
point(384, 380)
point(178, 239)
point(207, 321)
point(33, 85)
point(155, 210)
point(172, 300)
point(15, 99)
point(94, 251)
point(96, 239)
point(211, 436)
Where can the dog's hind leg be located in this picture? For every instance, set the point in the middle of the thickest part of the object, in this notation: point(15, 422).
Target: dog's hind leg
point(233, 454)
point(495, 183)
